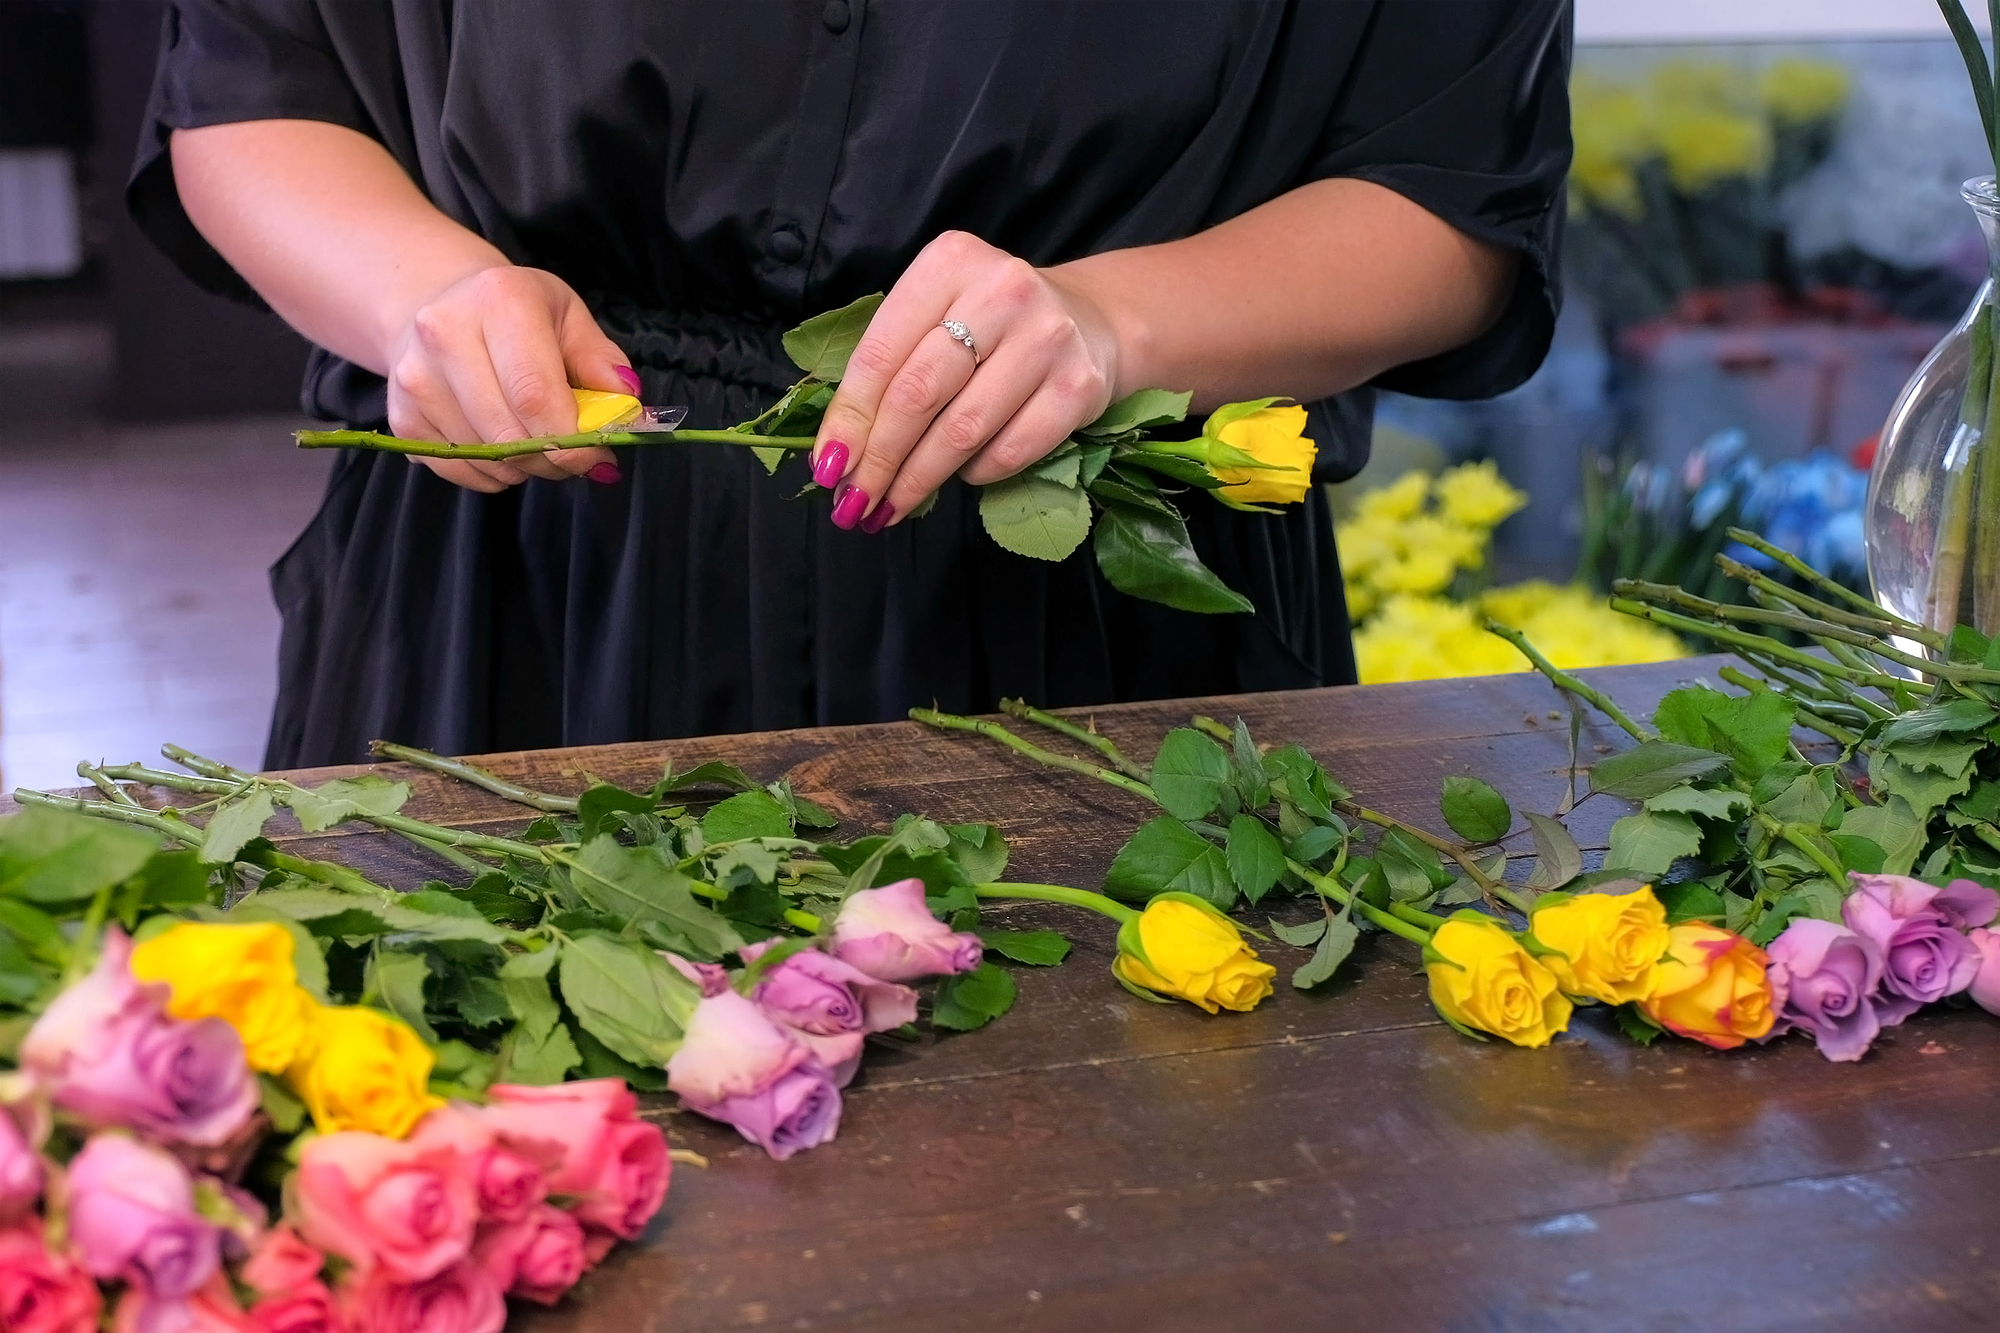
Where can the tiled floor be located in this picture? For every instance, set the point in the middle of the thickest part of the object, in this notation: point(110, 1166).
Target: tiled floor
point(134, 607)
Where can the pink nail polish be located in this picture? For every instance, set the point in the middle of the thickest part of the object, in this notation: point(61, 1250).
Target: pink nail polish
point(850, 502)
point(605, 474)
point(878, 520)
point(831, 465)
point(630, 379)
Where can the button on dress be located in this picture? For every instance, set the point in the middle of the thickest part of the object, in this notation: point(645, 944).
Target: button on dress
point(708, 174)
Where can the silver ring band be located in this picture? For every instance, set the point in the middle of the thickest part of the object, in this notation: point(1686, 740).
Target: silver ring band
point(960, 334)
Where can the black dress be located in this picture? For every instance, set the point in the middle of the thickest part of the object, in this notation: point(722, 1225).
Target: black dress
point(709, 172)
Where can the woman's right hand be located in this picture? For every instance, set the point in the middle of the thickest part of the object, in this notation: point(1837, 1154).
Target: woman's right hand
point(492, 358)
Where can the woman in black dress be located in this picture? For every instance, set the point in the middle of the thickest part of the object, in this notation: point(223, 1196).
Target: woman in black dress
point(471, 207)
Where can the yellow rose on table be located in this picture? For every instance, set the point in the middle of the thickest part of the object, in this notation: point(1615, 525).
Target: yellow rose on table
point(1183, 947)
point(1272, 435)
point(1712, 987)
point(242, 974)
point(1603, 946)
point(364, 1070)
point(1483, 979)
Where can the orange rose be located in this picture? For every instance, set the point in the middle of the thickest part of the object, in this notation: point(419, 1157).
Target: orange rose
point(1711, 986)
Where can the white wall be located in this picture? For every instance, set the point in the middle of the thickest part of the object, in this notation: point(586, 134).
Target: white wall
point(1605, 22)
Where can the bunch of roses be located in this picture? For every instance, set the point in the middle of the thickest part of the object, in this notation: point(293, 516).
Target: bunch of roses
point(1901, 944)
point(1694, 980)
point(772, 1062)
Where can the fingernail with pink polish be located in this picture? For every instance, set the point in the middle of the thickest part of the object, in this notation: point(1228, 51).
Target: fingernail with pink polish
point(878, 520)
point(849, 504)
point(831, 464)
point(630, 379)
point(605, 474)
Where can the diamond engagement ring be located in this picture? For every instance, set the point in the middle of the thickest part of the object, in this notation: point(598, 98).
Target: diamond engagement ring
point(959, 333)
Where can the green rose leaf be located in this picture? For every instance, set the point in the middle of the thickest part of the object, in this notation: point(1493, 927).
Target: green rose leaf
point(1334, 947)
point(395, 982)
point(1754, 730)
point(1691, 900)
point(538, 1050)
point(342, 799)
point(1037, 948)
point(1652, 767)
point(980, 850)
point(47, 856)
point(714, 773)
point(1892, 826)
point(1558, 859)
point(1924, 724)
point(234, 825)
point(750, 814)
point(1646, 845)
point(1475, 811)
point(820, 346)
point(627, 996)
point(641, 885)
point(973, 999)
point(1150, 556)
point(1189, 773)
point(1137, 411)
point(1035, 517)
point(1256, 858)
point(1707, 802)
point(1302, 936)
point(1166, 854)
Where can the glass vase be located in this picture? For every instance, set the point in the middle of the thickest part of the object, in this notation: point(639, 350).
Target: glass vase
point(1933, 517)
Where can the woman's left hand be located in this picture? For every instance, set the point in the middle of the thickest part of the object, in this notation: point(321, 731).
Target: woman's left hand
point(917, 407)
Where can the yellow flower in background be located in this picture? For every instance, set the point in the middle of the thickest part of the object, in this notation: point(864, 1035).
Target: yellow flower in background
point(239, 973)
point(1429, 638)
point(1612, 129)
point(597, 409)
point(1483, 978)
point(1275, 435)
point(364, 1070)
point(1798, 92)
point(1606, 946)
point(1475, 495)
point(1704, 146)
point(1186, 948)
point(1575, 627)
point(1419, 572)
point(1400, 499)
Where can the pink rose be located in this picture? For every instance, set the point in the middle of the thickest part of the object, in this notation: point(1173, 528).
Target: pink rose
point(281, 1263)
point(711, 977)
point(737, 1066)
point(613, 1165)
point(132, 1216)
point(309, 1309)
point(20, 1171)
point(377, 1203)
point(213, 1309)
point(42, 1292)
point(538, 1258)
point(114, 1056)
point(461, 1299)
point(509, 1184)
point(1985, 990)
point(890, 934)
point(829, 1006)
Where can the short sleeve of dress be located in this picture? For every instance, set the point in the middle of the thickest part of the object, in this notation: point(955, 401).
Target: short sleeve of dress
point(1463, 108)
point(223, 61)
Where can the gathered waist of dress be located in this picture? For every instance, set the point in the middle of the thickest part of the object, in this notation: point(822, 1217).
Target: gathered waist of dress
point(734, 349)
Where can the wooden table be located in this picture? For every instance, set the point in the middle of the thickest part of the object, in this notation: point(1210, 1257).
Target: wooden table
point(1336, 1160)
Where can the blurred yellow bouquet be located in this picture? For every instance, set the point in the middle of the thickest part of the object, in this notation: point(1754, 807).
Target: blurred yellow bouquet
point(1412, 554)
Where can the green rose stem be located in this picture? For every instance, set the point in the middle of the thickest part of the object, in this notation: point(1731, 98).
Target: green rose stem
point(994, 731)
point(546, 802)
point(1022, 709)
point(1562, 680)
point(1907, 628)
point(1881, 622)
point(1395, 923)
point(541, 444)
point(1057, 893)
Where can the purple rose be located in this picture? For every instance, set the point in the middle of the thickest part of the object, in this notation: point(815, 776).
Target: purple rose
point(1962, 903)
point(1985, 990)
point(1829, 977)
point(738, 1066)
point(132, 1216)
point(1924, 956)
point(710, 977)
point(890, 934)
point(830, 1005)
point(113, 1056)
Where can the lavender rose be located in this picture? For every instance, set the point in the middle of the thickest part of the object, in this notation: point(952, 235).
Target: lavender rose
point(1985, 989)
point(132, 1216)
point(1962, 903)
point(1925, 957)
point(829, 1006)
point(737, 1066)
point(113, 1056)
point(1829, 977)
point(890, 934)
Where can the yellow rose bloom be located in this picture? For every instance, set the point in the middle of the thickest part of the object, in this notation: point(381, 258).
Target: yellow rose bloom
point(1607, 946)
point(1712, 988)
point(364, 1070)
point(1475, 495)
point(1193, 952)
point(241, 974)
point(597, 409)
point(1275, 436)
point(1483, 979)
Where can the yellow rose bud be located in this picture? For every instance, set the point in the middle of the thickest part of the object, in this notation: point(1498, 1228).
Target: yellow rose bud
point(1605, 946)
point(598, 410)
point(1275, 436)
point(1712, 987)
point(241, 974)
point(365, 1070)
point(1185, 948)
point(1484, 979)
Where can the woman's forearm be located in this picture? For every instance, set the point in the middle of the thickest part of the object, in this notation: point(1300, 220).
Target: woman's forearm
point(327, 227)
point(1311, 294)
